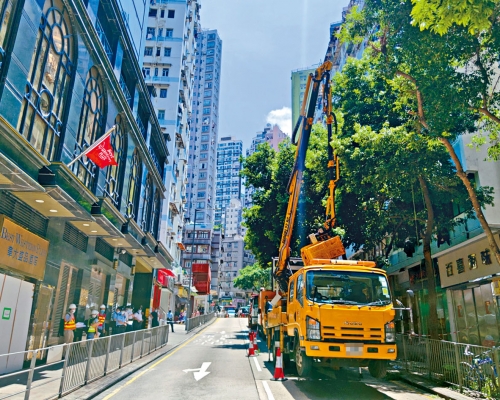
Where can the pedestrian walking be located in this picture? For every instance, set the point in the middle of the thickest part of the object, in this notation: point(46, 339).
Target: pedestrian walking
point(102, 320)
point(92, 325)
point(70, 325)
point(154, 318)
point(170, 319)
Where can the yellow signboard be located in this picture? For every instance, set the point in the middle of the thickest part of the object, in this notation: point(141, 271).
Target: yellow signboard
point(22, 250)
point(495, 286)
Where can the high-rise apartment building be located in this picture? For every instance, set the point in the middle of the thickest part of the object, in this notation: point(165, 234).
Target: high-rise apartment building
point(202, 241)
point(229, 152)
point(168, 58)
point(204, 128)
point(271, 134)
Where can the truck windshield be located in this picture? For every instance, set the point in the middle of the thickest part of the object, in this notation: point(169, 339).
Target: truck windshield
point(341, 287)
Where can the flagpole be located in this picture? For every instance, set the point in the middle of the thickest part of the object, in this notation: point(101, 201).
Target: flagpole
point(92, 146)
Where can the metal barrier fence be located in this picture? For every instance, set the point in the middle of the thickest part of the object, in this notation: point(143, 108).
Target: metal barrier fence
point(466, 366)
point(68, 367)
point(194, 322)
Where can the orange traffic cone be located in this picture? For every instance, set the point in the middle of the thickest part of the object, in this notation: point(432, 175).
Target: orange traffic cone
point(251, 350)
point(279, 375)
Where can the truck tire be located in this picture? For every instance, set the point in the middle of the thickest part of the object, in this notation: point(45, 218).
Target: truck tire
point(378, 368)
point(303, 363)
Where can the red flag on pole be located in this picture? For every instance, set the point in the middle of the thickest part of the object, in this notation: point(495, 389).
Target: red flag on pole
point(100, 152)
point(103, 154)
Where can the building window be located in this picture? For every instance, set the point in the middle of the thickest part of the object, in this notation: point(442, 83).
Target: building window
point(169, 33)
point(134, 185)
point(204, 147)
point(158, 51)
point(153, 12)
point(211, 36)
point(206, 111)
point(146, 72)
point(209, 68)
point(205, 128)
point(114, 174)
point(156, 214)
point(167, 51)
point(161, 114)
point(162, 13)
point(40, 120)
point(210, 45)
point(171, 13)
point(210, 60)
point(90, 127)
point(208, 76)
point(202, 185)
point(160, 32)
point(163, 93)
point(204, 138)
point(156, 71)
point(208, 85)
point(207, 93)
point(147, 204)
point(201, 195)
point(210, 52)
point(5, 14)
point(148, 51)
point(207, 102)
point(150, 33)
point(164, 71)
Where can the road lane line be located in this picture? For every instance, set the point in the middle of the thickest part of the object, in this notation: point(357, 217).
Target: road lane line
point(268, 390)
point(257, 365)
point(155, 364)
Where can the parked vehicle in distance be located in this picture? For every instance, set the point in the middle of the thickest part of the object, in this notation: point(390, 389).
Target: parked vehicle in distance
point(244, 311)
point(231, 313)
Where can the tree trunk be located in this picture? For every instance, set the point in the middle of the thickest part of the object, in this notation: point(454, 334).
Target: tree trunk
point(433, 322)
point(473, 197)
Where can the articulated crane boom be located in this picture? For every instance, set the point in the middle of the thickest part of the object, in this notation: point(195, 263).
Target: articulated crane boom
point(321, 78)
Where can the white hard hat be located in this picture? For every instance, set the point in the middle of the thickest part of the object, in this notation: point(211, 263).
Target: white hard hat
point(103, 306)
point(72, 306)
point(95, 312)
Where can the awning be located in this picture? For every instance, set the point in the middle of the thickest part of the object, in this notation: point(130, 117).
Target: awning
point(168, 272)
point(181, 246)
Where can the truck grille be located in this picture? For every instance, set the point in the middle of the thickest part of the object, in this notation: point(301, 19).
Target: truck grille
point(331, 333)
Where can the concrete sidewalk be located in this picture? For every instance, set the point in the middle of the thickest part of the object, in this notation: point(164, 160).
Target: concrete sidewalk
point(100, 385)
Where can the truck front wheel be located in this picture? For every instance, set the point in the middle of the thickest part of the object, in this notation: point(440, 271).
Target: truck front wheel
point(378, 368)
point(303, 362)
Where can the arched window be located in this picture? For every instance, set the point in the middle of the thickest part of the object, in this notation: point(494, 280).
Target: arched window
point(134, 185)
point(41, 118)
point(90, 127)
point(114, 175)
point(6, 9)
point(147, 204)
point(155, 226)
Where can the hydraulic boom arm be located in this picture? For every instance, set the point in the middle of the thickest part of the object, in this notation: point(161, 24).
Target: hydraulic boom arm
point(304, 124)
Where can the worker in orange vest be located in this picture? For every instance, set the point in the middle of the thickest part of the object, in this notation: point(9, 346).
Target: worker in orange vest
point(102, 319)
point(70, 325)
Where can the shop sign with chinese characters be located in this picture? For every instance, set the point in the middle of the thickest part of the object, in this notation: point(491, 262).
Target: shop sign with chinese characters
point(22, 250)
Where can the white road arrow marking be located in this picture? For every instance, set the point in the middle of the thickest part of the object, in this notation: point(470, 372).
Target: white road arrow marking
point(199, 373)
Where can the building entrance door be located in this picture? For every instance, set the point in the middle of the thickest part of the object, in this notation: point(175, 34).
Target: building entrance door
point(16, 298)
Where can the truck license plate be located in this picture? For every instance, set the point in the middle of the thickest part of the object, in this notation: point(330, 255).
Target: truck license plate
point(354, 349)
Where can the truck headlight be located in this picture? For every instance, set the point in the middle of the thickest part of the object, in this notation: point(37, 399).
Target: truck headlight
point(390, 332)
point(313, 329)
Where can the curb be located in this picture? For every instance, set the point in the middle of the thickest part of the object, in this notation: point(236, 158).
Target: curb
point(121, 378)
point(434, 390)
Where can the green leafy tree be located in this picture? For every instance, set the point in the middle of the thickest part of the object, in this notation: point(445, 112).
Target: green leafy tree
point(447, 81)
point(397, 184)
point(440, 16)
point(252, 277)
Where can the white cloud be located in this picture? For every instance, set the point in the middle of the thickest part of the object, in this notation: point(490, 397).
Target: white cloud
point(281, 117)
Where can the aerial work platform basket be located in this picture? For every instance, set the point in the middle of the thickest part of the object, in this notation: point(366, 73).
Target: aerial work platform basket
point(328, 249)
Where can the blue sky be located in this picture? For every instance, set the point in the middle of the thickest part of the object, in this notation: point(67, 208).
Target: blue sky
point(263, 41)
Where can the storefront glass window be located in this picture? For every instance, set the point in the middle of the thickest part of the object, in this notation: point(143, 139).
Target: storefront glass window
point(91, 126)
point(114, 174)
point(41, 119)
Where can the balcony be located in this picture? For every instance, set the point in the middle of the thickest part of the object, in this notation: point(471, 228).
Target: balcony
point(163, 79)
point(125, 90)
point(104, 41)
point(142, 128)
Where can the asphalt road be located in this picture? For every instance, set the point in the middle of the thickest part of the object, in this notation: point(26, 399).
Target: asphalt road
point(213, 365)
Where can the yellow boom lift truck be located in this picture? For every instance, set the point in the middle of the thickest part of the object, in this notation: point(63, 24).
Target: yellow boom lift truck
point(330, 312)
